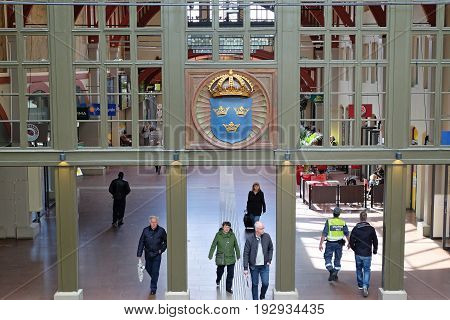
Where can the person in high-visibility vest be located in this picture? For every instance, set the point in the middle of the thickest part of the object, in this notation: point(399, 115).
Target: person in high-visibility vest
point(334, 232)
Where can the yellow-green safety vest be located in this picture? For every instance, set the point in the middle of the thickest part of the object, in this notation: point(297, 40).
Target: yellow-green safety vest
point(335, 229)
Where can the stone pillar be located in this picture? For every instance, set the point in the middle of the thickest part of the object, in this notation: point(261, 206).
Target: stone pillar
point(424, 226)
point(67, 234)
point(285, 244)
point(394, 233)
point(16, 221)
point(176, 203)
point(438, 208)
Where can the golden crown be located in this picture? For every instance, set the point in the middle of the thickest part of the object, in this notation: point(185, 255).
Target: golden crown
point(231, 127)
point(230, 84)
point(221, 111)
point(241, 111)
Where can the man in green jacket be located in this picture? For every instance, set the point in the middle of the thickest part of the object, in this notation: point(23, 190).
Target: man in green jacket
point(227, 253)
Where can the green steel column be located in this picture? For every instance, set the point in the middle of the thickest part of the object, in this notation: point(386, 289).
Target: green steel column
point(394, 232)
point(285, 244)
point(174, 25)
point(288, 75)
point(62, 83)
point(176, 203)
point(67, 233)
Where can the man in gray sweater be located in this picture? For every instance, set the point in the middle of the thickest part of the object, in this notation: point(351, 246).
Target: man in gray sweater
point(258, 253)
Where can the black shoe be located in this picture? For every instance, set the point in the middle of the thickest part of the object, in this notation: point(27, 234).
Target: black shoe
point(330, 277)
point(120, 223)
point(261, 297)
point(229, 291)
point(217, 282)
point(334, 275)
point(153, 292)
point(115, 225)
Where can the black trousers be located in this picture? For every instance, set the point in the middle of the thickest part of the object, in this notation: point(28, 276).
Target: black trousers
point(230, 275)
point(118, 210)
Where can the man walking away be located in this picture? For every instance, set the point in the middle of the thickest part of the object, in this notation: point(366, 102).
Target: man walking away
point(154, 242)
point(362, 239)
point(119, 189)
point(334, 232)
point(258, 252)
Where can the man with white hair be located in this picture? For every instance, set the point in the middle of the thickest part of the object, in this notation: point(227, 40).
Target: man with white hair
point(154, 242)
point(258, 253)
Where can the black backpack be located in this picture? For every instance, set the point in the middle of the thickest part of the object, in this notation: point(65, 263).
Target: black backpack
point(248, 221)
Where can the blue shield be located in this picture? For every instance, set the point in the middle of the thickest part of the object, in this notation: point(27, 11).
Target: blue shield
point(231, 118)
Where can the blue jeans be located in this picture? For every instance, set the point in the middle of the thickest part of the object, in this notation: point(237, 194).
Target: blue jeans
point(255, 218)
point(256, 272)
point(333, 247)
point(152, 266)
point(363, 271)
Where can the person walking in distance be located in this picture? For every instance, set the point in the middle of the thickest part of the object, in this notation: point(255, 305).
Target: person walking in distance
point(153, 242)
point(363, 241)
point(258, 253)
point(256, 203)
point(119, 189)
point(227, 253)
point(334, 231)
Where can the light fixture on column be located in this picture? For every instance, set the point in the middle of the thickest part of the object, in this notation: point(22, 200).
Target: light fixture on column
point(62, 157)
point(176, 156)
point(398, 155)
point(287, 156)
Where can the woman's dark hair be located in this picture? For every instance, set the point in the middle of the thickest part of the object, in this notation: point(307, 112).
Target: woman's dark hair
point(256, 184)
point(226, 223)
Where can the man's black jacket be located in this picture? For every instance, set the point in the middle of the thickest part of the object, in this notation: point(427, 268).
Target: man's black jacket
point(362, 238)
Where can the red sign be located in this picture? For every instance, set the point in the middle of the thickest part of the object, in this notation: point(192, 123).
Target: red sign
point(366, 110)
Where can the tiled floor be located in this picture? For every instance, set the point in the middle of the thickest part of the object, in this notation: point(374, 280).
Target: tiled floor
point(108, 257)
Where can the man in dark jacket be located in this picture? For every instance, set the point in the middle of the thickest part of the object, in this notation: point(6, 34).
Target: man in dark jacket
point(362, 239)
point(154, 242)
point(258, 253)
point(119, 189)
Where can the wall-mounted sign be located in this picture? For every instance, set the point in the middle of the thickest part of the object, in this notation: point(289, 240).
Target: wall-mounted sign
point(32, 132)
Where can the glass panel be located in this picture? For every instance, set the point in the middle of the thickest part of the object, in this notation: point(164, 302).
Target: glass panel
point(423, 47)
point(8, 78)
point(149, 16)
point(342, 131)
point(7, 16)
point(445, 108)
point(231, 14)
point(311, 80)
point(422, 78)
point(88, 107)
point(37, 80)
point(343, 47)
point(343, 16)
point(262, 47)
point(8, 48)
point(36, 48)
point(9, 134)
point(88, 134)
point(312, 16)
point(445, 133)
point(373, 106)
point(311, 106)
point(85, 16)
point(374, 47)
point(373, 79)
point(150, 133)
point(38, 106)
point(422, 105)
point(149, 47)
point(150, 80)
point(312, 47)
point(118, 47)
point(87, 80)
point(9, 108)
point(118, 93)
point(199, 47)
point(447, 15)
point(342, 79)
point(311, 133)
point(445, 79)
point(372, 133)
point(342, 106)
point(34, 16)
point(374, 16)
point(446, 46)
point(422, 132)
point(86, 48)
point(119, 134)
point(38, 134)
point(117, 16)
point(199, 14)
point(231, 48)
point(424, 15)
point(262, 15)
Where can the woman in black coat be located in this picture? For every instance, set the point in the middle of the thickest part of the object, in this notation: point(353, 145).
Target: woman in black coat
point(256, 205)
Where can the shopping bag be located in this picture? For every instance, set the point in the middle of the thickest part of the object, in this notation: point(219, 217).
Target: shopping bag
point(140, 269)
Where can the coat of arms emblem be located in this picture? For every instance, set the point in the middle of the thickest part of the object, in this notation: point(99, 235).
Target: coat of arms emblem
point(231, 107)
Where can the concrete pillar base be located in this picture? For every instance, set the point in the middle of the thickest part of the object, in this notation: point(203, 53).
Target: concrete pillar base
point(285, 295)
point(28, 232)
point(424, 229)
point(392, 295)
point(179, 295)
point(74, 295)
